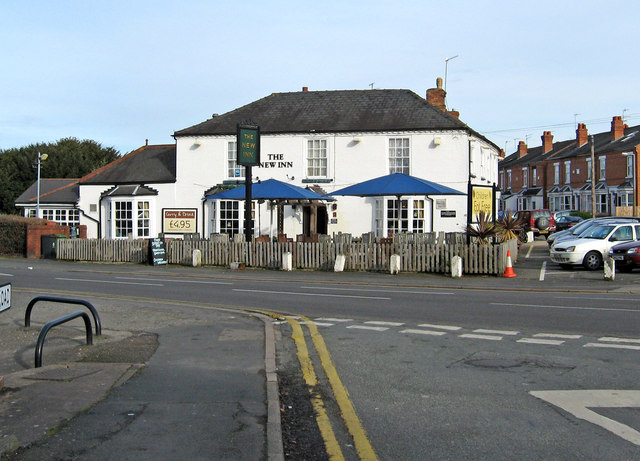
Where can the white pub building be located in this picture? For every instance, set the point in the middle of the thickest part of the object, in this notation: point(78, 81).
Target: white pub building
point(321, 140)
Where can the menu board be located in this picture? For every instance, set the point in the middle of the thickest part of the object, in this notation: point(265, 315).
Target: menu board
point(157, 252)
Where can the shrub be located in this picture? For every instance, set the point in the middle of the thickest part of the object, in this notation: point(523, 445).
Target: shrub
point(13, 234)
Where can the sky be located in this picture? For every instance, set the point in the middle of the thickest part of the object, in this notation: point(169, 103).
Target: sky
point(120, 72)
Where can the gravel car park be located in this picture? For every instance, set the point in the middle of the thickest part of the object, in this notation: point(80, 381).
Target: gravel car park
point(591, 247)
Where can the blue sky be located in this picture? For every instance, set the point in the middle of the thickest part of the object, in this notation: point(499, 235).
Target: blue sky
point(120, 72)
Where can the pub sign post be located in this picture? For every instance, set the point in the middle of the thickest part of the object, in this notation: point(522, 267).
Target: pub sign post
point(248, 152)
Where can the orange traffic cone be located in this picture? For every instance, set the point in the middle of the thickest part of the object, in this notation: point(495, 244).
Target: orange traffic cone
point(508, 271)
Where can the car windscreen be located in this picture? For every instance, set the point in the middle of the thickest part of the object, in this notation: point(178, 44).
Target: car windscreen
point(579, 228)
point(597, 232)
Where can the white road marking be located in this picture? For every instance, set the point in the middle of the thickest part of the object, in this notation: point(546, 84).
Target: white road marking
point(548, 342)
point(578, 403)
point(554, 335)
point(380, 291)
point(7, 275)
point(320, 324)
point(488, 337)
point(547, 306)
point(497, 332)
point(176, 280)
point(331, 319)
point(110, 281)
point(441, 327)
point(542, 270)
point(424, 332)
point(529, 252)
point(365, 327)
point(388, 324)
point(619, 340)
point(309, 294)
point(612, 346)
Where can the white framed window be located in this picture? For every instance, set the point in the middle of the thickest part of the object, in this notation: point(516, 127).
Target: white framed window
point(129, 218)
point(30, 213)
point(508, 179)
point(503, 186)
point(379, 217)
point(567, 172)
point(399, 154)
point(629, 166)
point(602, 204)
point(49, 215)
point(556, 173)
point(588, 169)
point(233, 169)
point(602, 162)
point(229, 217)
point(317, 158)
point(418, 216)
point(525, 177)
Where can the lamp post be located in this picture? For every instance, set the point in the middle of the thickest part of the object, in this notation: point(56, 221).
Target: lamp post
point(632, 154)
point(41, 157)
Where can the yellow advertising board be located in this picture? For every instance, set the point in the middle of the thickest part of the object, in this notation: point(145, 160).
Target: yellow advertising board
point(481, 200)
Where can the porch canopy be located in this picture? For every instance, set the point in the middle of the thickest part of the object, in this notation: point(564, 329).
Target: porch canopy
point(398, 185)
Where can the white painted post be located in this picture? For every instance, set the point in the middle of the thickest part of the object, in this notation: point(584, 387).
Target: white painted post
point(394, 264)
point(456, 267)
point(609, 269)
point(339, 264)
point(196, 258)
point(287, 261)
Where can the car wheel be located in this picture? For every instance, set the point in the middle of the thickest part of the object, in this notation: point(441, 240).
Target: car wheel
point(565, 266)
point(592, 261)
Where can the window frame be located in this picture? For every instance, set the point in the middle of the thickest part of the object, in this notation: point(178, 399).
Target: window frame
point(393, 157)
point(317, 158)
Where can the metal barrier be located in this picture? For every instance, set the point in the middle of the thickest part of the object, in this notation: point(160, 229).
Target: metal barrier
point(53, 299)
point(48, 326)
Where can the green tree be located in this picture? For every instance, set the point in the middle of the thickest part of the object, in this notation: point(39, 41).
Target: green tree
point(67, 158)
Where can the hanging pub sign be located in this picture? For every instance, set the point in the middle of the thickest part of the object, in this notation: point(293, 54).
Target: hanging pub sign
point(248, 142)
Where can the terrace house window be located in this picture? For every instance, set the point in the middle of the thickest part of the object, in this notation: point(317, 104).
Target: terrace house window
point(556, 173)
point(567, 172)
point(603, 167)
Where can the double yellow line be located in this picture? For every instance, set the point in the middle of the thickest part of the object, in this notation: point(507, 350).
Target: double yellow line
point(352, 422)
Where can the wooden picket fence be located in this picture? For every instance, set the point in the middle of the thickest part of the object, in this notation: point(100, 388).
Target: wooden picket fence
point(414, 257)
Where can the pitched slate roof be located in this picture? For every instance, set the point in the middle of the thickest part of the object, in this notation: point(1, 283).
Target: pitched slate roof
point(52, 191)
point(333, 111)
point(148, 164)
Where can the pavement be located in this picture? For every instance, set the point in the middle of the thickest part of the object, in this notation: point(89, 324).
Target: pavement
point(167, 385)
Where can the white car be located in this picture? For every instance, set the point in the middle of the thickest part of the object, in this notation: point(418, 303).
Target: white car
point(592, 245)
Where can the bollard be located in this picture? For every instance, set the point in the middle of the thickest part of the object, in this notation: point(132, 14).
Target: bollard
point(339, 265)
point(456, 267)
point(394, 264)
point(287, 261)
point(197, 258)
point(609, 269)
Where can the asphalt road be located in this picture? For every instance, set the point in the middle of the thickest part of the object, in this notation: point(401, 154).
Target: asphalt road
point(435, 368)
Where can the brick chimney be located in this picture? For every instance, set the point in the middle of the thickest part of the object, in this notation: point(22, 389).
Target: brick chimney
point(305, 89)
point(454, 112)
point(522, 149)
point(547, 141)
point(582, 136)
point(617, 128)
point(435, 96)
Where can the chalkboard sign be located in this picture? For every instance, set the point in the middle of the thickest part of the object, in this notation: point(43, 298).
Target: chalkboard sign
point(157, 252)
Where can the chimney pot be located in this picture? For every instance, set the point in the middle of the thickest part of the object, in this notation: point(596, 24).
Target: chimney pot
point(617, 128)
point(547, 141)
point(305, 88)
point(522, 149)
point(436, 96)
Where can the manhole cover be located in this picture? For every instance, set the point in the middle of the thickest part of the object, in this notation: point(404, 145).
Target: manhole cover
point(61, 374)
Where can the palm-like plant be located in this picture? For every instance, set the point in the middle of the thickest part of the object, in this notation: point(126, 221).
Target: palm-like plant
point(484, 230)
point(509, 227)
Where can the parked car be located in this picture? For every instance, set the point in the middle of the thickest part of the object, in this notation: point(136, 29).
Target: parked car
point(575, 231)
point(590, 248)
point(557, 214)
point(567, 221)
point(626, 255)
point(540, 222)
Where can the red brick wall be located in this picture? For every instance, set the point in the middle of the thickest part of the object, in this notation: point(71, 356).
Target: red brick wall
point(35, 233)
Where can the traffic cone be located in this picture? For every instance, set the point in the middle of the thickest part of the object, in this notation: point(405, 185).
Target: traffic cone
point(508, 271)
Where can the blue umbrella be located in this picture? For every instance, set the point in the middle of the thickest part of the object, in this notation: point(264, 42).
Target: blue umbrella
point(271, 189)
point(397, 184)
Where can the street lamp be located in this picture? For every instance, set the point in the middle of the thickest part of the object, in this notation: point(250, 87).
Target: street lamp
point(41, 157)
point(632, 154)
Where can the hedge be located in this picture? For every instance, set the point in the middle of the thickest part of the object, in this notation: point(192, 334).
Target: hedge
point(13, 234)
